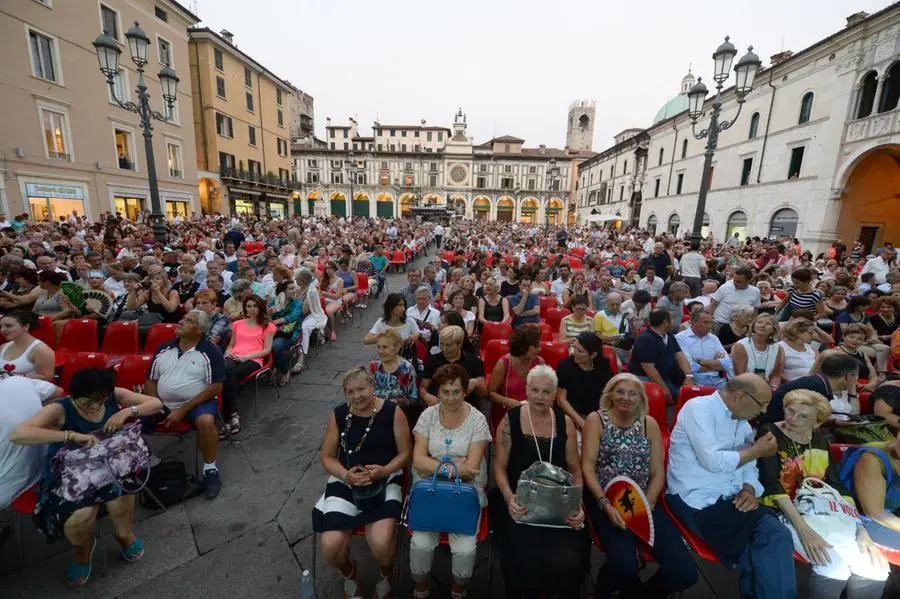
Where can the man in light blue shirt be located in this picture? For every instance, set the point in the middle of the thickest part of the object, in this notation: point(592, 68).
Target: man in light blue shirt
point(708, 359)
point(712, 462)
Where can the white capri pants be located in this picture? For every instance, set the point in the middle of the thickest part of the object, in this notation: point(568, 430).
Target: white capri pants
point(462, 555)
point(308, 326)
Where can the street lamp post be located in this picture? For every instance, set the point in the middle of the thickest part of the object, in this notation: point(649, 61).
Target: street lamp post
point(552, 179)
point(745, 72)
point(139, 45)
point(350, 163)
point(397, 189)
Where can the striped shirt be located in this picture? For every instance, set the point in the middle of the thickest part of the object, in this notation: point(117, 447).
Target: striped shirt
point(804, 302)
point(181, 376)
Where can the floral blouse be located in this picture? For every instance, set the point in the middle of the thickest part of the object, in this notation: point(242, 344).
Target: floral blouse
point(399, 386)
point(782, 474)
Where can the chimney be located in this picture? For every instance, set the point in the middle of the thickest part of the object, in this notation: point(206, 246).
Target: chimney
point(857, 17)
point(780, 57)
point(229, 37)
point(543, 148)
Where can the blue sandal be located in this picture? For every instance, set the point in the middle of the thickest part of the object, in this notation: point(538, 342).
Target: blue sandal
point(133, 552)
point(79, 574)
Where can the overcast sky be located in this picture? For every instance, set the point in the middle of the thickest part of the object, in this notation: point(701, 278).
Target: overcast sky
point(513, 66)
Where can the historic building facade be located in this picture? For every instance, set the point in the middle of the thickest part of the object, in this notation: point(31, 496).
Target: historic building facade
point(400, 166)
point(815, 152)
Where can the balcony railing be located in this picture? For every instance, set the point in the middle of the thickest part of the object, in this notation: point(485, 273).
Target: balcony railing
point(175, 173)
point(126, 164)
point(875, 125)
point(257, 177)
point(58, 155)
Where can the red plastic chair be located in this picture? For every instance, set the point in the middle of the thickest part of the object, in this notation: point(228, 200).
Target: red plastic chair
point(23, 508)
point(779, 294)
point(132, 373)
point(575, 263)
point(694, 542)
point(688, 393)
point(78, 335)
point(865, 405)
point(656, 407)
point(546, 331)
point(837, 451)
point(362, 290)
point(554, 317)
point(610, 354)
point(120, 340)
point(161, 332)
point(554, 352)
point(494, 330)
point(398, 259)
point(494, 350)
point(547, 302)
point(44, 331)
point(266, 369)
point(79, 361)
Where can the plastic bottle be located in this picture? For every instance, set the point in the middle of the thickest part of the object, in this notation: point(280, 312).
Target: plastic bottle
point(307, 586)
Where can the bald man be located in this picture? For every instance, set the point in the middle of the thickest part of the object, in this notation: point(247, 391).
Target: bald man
point(713, 486)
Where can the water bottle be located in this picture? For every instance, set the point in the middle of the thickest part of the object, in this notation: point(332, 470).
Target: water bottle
point(307, 586)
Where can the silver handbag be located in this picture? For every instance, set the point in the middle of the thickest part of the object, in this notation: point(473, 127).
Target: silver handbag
point(547, 491)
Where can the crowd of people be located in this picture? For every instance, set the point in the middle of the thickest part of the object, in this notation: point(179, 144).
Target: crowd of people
point(510, 344)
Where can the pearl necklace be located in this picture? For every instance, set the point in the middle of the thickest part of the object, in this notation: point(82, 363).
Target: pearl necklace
point(362, 439)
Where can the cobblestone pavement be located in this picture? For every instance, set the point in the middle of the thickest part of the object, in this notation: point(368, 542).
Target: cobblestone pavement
point(255, 539)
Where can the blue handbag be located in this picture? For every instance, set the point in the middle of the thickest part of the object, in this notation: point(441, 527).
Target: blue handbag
point(437, 505)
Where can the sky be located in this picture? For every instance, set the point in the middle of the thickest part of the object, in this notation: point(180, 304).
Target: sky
point(514, 67)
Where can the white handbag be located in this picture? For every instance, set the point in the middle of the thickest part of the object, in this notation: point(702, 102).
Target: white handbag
point(826, 512)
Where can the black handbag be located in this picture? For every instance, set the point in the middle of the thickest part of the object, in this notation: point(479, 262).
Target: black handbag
point(168, 484)
point(371, 496)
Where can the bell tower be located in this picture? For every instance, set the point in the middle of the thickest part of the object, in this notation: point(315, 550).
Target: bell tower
point(580, 126)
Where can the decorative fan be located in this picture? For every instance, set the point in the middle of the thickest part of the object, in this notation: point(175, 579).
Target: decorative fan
point(98, 302)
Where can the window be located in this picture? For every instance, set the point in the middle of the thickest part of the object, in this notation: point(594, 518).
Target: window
point(379, 147)
point(507, 168)
point(336, 164)
point(249, 102)
point(218, 60)
point(109, 22)
point(312, 177)
point(805, 108)
point(284, 174)
point(656, 187)
point(354, 146)
point(754, 125)
point(282, 147)
point(621, 192)
point(506, 183)
point(624, 167)
point(278, 96)
point(481, 183)
point(679, 183)
point(280, 118)
point(531, 185)
point(403, 133)
point(312, 163)
point(220, 87)
point(407, 166)
point(393, 148)
point(402, 147)
point(745, 171)
point(124, 146)
point(346, 145)
point(56, 134)
point(161, 14)
point(251, 130)
point(223, 125)
point(120, 87)
point(416, 134)
point(409, 180)
point(506, 148)
point(384, 180)
point(393, 133)
point(332, 145)
point(173, 157)
point(428, 136)
point(440, 136)
point(164, 51)
point(432, 180)
point(171, 112)
point(684, 149)
point(796, 162)
point(254, 167)
point(866, 95)
point(226, 161)
point(661, 152)
point(651, 224)
point(43, 56)
point(337, 178)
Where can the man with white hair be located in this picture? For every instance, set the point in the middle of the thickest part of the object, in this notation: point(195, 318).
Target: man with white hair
point(709, 288)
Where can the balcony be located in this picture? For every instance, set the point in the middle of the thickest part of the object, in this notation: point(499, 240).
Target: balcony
point(269, 179)
point(875, 125)
point(175, 173)
point(58, 155)
point(125, 163)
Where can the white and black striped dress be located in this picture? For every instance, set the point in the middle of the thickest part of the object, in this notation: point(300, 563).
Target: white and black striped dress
point(335, 509)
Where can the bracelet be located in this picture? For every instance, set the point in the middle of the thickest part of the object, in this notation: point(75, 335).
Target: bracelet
point(346, 477)
point(603, 502)
point(68, 437)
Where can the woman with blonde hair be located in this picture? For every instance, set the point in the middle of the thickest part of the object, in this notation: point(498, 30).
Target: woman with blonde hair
point(856, 567)
point(620, 439)
point(799, 354)
point(759, 351)
point(493, 307)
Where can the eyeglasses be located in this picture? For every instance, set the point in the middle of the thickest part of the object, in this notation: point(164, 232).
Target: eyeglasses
point(626, 392)
point(756, 401)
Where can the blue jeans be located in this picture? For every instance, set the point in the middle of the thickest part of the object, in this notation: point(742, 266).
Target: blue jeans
point(767, 565)
point(281, 353)
point(677, 570)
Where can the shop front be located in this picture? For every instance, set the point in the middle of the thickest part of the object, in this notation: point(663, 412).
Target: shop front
point(129, 207)
point(175, 208)
point(244, 202)
point(277, 209)
point(48, 201)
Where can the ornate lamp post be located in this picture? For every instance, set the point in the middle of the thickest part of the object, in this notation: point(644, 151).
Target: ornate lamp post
point(745, 72)
point(397, 189)
point(552, 180)
point(350, 164)
point(139, 46)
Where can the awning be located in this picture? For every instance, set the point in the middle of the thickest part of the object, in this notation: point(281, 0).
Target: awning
point(277, 196)
point(601, 218)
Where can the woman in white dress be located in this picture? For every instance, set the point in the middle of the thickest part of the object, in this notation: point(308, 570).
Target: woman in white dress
point(313, 315)
point(22, 354)
point(759, 352)
point(799, 354)
point(394, 317)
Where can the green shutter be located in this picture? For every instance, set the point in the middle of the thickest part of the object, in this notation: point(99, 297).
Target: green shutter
point(298, 206)
point(311, 206)
point(339, 207)
point(360, 207)
point(385, 209)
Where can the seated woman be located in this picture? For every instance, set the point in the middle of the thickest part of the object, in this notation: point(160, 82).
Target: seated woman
point(158, 295)
point(730, 332)
point(234, 305)
point(799, 354)
point(507, 388)
point(802, 300)
point(453, 351)
point(22, 354)
point(576, 323)
point(186, 286)
point(537, 560)
point(493, 307)
point(855, 336)
point(314, 318)
point(885, 401)
point(467, 286)
point(332, 289)
point(856, 567)
point(394, 317)
point(768, 301)
point(366, 443)
point(835, 303)
point(219, 325)
point(93, 403)
point(620, 439)
point(452, 428)
point(395, 377)
point(582, 377)
point(577, 289)
point(457, 304)
point(855, 313)
point(287, 313)
point(759, 352)
point(248, 347)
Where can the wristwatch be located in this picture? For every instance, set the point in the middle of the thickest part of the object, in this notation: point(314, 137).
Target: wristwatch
point(603, 502)
point(134, 411)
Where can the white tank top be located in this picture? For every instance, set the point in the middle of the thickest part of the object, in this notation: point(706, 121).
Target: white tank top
point(796, 363)
point(760, 360)
point(20, 365)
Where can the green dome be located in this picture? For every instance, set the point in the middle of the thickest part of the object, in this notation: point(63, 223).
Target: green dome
point(676, 105)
